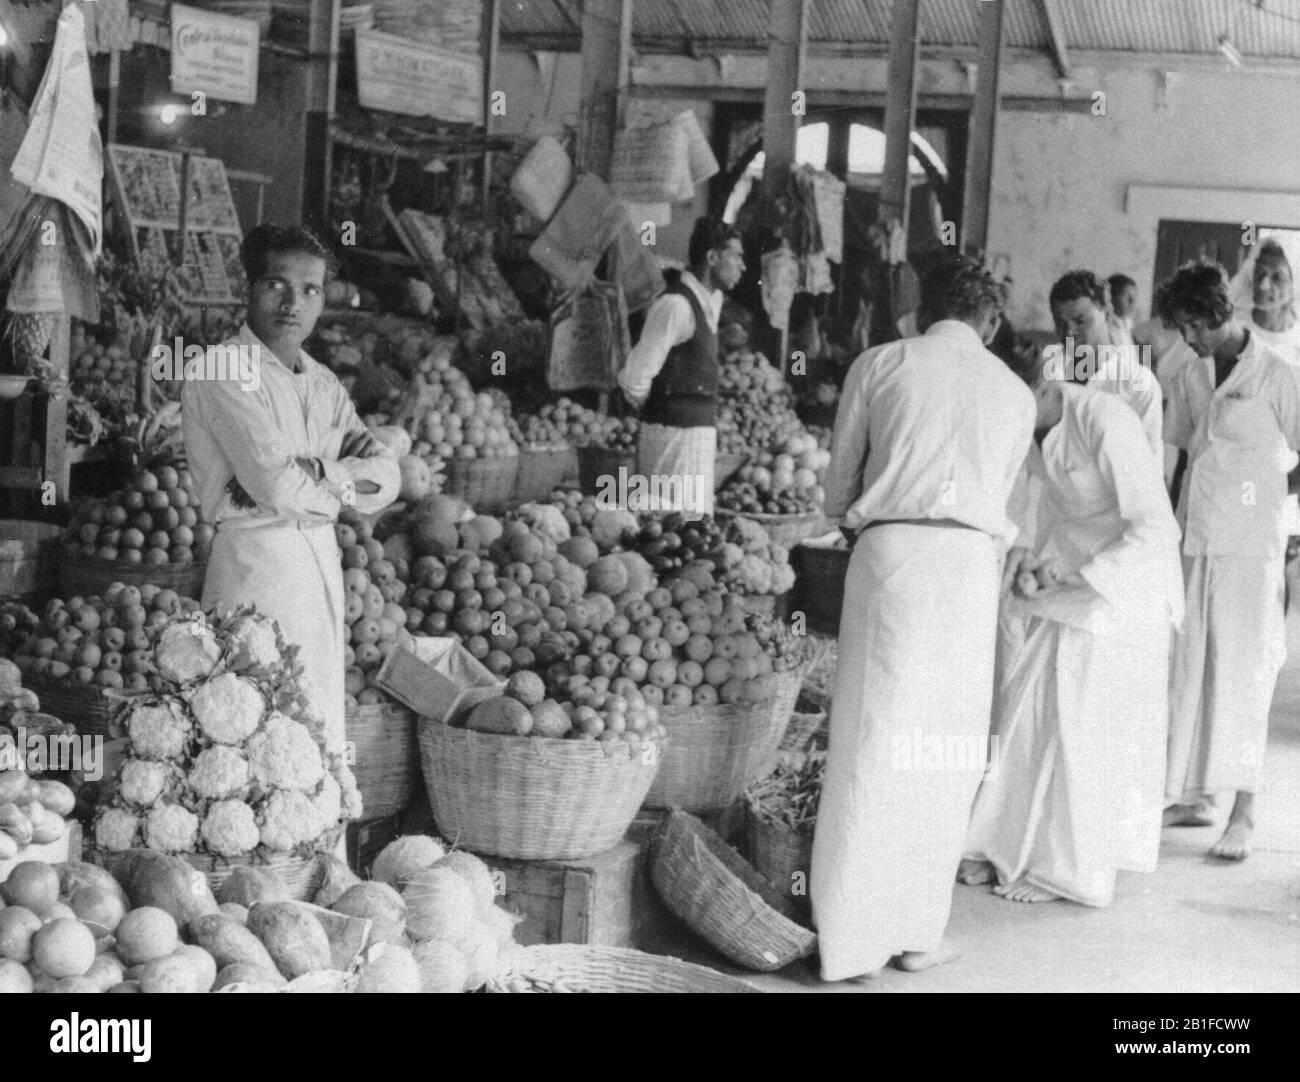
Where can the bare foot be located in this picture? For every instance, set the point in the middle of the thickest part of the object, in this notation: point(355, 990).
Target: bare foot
point(1235, 843)
point(975, 873)
point(1189, 815)
point(915, 961)
point(1020, 891)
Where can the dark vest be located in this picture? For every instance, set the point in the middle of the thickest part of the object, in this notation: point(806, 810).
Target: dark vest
point(685, 392)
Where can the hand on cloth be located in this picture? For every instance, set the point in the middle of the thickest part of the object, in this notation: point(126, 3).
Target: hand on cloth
point(1036, 578)
point(238, 496)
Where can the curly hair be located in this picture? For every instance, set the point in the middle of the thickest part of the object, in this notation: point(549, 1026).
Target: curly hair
point(709, 234)
point(1198, 289)
point(1076, 285)
point(958, 288)
point(262, 240)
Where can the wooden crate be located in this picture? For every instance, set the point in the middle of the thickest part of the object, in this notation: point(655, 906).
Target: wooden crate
point(606, 900)
point(366, 837)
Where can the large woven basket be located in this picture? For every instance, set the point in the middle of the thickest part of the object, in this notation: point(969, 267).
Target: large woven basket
point(819, 575)
point(803, 729)
point(529, 798)
point(789, 530)
point(722, 898)
point(597, 462)
point(300, 875)
point(385, 756)
point(540, 473)
point(726, 466)
point(784, 858)
point(573, 967)
point(486, 484)
point(93, 710)
point(714, 752)
point(80, 576)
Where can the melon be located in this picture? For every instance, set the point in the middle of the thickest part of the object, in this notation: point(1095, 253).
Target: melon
point(169, 976)
point(76, 873)
point(293, 937)
point(63, 948)
point(14, 977)
point(17, 926)
point(259, 979)
point(442, 967)
point(247, 886)
point(439, 905)
point(78, 986)
point(237, 913)
point(202, 965)
point(32, 885)
point(164, 882)
point(381, 905)
point(336, 878)
point(105, 971)
point(146, 934)
point(97, 908)
point(229, 942)
point(403, 857)
point(390, 968)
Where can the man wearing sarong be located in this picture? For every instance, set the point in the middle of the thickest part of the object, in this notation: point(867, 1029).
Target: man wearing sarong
point(672, 374)
point(1076, 785)
point(1236, 411)
point(930, 435)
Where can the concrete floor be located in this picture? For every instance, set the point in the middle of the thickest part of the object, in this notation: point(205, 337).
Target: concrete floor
point(1194, 925)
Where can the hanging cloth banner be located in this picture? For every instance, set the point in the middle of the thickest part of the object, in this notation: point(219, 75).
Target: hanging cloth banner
point(581, 230)
point(589, 339)
point(62, 156)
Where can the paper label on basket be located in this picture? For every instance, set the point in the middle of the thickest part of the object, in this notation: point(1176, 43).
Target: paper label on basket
point(437, 678)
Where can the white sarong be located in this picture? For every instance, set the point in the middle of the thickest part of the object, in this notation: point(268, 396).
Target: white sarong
point(1075, 784)
point(1225, 667)
point(678, 462)
point(909, 729)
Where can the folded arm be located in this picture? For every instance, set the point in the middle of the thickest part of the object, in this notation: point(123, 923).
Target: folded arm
point(366, 474)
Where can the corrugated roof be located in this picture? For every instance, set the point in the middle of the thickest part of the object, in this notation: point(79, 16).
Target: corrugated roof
point(1259, 28)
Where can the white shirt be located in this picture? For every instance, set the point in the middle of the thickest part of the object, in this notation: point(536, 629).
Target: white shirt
point(934, 427)
point(1286, 344)
point(1141, 390)
point(1240, 440)
point(256, 435)
point(1103, 512)
point(669, 322)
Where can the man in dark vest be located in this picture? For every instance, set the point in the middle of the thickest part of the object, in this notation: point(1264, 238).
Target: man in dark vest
point(671, 376)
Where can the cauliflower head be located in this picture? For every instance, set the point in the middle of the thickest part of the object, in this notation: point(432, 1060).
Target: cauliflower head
point(284, 755)
point(352, 803)
point(287, 820)
point(228, 708)
point(117, 829)
point(143, 781)
point(253, 643)
point(159, 730)
point(171, 828)
point(328, 803)
point(188, 650)
point(230, 828)
point(782, 578)
point(218, 772)
point(755, 575)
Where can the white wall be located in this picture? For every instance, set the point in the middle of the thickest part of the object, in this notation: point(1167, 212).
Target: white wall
point(1061, 180)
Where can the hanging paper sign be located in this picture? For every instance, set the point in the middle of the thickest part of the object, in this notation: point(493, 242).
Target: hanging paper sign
point(214, 54)
point(400, 76)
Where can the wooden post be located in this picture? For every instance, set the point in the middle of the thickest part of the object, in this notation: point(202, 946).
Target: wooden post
point(983, 126)
point(114, 93)
point(322, 84)
point(491, 50)
point(55, 466)
point(179, 259)
point(784, 105)
point(606, 58)
point(900, 111)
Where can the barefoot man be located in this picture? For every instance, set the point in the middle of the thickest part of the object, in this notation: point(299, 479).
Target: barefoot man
point(1236, 411)
point(930, 435)
point(1080, 713)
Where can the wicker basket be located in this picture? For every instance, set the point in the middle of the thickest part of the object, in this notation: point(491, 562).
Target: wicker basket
point(86, 578)
point(726, 466)
point(572, 967)
point(386, 758)
point(789, 530)
point(784, 858)
point(528, 798)
point(714, 752)
point(711, 887)
point(597, 462)
point(801, 731)
point(540, 473)
point(487, 484)
point(93, 710)
point(819, 585)
point(301, 875)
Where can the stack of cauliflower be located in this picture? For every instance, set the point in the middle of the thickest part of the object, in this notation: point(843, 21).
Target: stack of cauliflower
point(231, 758)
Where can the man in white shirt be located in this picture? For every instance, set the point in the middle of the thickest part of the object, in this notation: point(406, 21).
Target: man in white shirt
point(930, 435)
point(1123, 300)
point(1083, 318)
point(1273, 317)
point(672, 374)
point(1236, 411)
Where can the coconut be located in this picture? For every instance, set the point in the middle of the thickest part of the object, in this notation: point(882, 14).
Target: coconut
point(481, 951)
point(439, 905)
point(501, 922)
point(402, 858)
point(477, 876)
point(379, 903)
point(442, 967)
point(390, 968)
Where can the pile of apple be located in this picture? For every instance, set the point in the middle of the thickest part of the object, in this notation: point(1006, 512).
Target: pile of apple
point(105, 642)
point(154, 520)
point(457, 423)
point(105, 376)
point(786, 481)
point(543, 433)
point(17, 624)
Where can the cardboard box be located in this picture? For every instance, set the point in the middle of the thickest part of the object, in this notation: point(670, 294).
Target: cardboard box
point(438, 679)
point(605, 900)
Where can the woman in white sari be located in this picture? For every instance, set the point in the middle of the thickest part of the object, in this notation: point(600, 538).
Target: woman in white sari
point(1090, 597)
